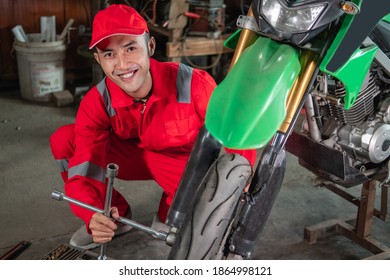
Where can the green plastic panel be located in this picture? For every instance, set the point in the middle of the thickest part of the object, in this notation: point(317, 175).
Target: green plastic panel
point(387, 18)
point(354, 70)
point(249, 105)
point(353, 73)
point(232, 41)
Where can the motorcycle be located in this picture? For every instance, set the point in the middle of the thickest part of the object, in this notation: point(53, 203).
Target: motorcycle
point(328, 59)
point(322, 66)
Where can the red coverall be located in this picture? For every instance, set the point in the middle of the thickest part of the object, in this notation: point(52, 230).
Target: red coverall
point(149, 141)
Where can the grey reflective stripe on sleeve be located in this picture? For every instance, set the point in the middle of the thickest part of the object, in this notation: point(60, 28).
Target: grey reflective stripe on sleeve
point(183, 83)
point(63, 164)
point(88, 169)
point(102, 88)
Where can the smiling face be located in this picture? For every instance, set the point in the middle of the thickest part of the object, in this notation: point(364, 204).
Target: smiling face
point(125, 60)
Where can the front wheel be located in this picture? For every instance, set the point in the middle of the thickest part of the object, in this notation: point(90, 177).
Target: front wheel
point(207, 222)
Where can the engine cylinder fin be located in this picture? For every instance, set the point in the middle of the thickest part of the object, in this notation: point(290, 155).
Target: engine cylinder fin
point(363, 106)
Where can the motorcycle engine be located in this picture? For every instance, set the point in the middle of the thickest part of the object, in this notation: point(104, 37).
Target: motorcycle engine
point(363, 131)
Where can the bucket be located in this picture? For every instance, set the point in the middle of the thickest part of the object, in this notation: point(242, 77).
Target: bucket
point(40, 67)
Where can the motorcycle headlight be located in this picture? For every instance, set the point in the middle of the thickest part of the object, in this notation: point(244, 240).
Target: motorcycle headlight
point(291, 19)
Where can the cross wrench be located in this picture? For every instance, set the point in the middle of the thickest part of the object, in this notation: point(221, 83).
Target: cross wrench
point(112, 171)
point(57, 195)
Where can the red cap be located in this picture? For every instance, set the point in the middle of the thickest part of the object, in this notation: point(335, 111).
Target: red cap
point(117, 20)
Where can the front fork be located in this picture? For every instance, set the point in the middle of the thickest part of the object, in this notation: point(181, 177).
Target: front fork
point(269, 174)
point(267, 179)
point(270, 170)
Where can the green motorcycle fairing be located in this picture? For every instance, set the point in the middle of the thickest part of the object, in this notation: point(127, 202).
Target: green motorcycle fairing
point(249, 105)
point(232, 41)
point(353, 70)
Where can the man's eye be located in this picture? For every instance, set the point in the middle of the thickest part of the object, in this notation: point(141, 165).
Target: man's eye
point(108, 54)
point(130, 49)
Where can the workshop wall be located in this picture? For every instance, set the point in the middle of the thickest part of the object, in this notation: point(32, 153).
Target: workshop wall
point(27, 14)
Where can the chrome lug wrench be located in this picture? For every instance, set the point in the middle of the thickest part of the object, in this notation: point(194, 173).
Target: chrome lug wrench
point(57, 195)
point(111, 173)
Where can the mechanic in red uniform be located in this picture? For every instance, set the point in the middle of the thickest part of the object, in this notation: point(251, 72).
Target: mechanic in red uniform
point(144, 116)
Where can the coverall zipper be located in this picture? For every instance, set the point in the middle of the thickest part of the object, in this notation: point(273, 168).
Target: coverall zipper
point(142, 115)
point(143, 108)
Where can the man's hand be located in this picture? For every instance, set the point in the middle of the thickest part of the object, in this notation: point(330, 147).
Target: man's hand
point(103, 227)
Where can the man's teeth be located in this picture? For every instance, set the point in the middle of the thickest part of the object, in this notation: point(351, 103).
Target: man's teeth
point(127, 75)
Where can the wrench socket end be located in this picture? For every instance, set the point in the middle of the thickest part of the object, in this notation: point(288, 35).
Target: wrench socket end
point(112, 170)
point(57, 195)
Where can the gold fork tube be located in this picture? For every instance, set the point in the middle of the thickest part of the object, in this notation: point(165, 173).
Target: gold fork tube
point(308, 63)
point(247, 38)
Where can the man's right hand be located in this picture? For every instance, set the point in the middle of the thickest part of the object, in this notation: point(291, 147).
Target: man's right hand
point(103, 227)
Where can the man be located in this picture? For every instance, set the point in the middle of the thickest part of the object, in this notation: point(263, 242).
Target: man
point(144, 116)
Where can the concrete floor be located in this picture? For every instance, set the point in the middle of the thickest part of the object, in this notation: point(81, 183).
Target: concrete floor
point(28, 175)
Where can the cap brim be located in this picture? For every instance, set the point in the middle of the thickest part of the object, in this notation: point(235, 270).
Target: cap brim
point(132, 32)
